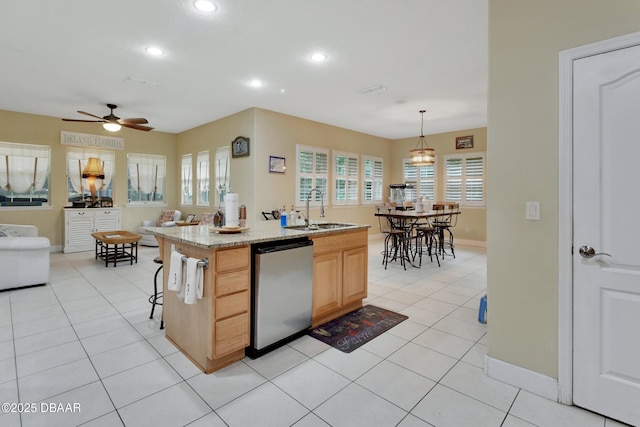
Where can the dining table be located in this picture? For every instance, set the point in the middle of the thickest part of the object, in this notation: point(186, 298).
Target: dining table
point(407, 220)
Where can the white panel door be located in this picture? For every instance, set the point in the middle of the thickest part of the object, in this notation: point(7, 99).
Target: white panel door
point(606, 185)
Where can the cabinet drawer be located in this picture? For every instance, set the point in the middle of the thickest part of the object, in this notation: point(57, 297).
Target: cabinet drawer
point(337, 242)
point(231, 334)
point(229, 283)
point(83, 213)
point(232, 304)
point(106, 213)
point(232, 259)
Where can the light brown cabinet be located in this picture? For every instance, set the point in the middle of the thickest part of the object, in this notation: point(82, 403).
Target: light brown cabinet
point(214, 331)
point(339, 274)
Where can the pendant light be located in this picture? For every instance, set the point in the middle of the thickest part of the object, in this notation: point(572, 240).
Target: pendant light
point(424, 155)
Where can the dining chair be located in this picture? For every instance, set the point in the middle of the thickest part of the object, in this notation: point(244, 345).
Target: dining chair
point(444, 222)
point(426, 236)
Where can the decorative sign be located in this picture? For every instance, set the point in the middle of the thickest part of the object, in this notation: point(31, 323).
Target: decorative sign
point(88, 140)
point(464, 142)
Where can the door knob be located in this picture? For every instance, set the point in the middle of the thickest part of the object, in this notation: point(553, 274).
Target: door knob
point(589, 252)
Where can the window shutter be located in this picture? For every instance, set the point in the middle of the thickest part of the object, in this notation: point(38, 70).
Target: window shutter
point(474, 185)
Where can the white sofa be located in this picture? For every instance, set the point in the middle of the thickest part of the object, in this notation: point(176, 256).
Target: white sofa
point(24, 257)
point(148, 239)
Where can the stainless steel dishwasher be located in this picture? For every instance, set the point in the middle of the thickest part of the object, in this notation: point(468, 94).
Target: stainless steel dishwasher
point(282, 287)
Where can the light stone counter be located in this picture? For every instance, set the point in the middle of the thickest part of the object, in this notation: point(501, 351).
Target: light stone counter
point(203, 237)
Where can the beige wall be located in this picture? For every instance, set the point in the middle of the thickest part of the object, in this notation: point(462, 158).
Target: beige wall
point(42, 130)
point(217, 134)
point(278, 135)
point(525, 39)
point(472, 220)
point(270, 133)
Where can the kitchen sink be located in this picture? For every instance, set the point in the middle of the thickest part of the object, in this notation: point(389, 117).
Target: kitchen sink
point(321, 226)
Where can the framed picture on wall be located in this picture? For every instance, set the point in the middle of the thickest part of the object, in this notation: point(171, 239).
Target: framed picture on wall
point(277, 164)
point(464, 142)
point(240, 147)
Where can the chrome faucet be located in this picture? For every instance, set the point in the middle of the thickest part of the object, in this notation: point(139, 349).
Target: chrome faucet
point(306, 217)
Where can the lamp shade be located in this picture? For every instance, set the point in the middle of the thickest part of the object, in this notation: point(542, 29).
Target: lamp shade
point(93, 169)
point(422, 155)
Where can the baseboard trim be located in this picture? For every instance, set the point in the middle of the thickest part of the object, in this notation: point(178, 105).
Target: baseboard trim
point(523, 378)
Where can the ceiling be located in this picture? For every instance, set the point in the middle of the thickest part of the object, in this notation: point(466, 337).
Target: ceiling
point(57, 57)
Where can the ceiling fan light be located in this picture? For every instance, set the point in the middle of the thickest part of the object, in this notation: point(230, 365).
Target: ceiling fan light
point(111, 127)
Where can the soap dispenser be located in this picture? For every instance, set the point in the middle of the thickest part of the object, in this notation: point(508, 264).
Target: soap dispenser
point(283, 217)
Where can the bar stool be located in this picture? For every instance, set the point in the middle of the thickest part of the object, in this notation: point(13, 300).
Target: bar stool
point(153, 299)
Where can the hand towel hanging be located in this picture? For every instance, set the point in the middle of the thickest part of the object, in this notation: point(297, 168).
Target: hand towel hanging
point(176, 276)
point(193, 283)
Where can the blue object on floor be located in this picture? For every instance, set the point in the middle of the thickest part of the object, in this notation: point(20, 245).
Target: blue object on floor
point(482, 312)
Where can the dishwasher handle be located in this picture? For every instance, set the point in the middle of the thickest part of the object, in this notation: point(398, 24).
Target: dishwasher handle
point(283, 247)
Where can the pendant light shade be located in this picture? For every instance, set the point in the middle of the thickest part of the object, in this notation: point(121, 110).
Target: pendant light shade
point(422, 155)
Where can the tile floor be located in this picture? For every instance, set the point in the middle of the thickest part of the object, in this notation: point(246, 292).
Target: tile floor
point(87, 339)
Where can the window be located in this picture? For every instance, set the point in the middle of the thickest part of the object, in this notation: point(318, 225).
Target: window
point(345, 178)
point(78, 187)
point(464, 179)
point(146, 175)
point(372, 179)
point(203, 178)
point(423, 179)
point(24, 174)
point(312, 171)
point(222, 172)
point(186, 180)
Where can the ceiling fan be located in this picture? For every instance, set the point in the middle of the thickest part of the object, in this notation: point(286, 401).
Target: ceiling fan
point(112, 122)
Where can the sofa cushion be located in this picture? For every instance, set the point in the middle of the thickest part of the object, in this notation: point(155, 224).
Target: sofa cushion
point(9, 230)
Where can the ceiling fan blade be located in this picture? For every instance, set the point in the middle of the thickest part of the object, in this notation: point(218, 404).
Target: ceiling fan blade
point(78, 120)
point(137, 121)
point(135, 126)
point(92, 115)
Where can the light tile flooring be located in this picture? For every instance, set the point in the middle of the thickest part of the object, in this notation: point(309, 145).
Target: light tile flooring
point(87, 339)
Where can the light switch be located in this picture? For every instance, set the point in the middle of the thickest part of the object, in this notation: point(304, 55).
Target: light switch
point(533, 211)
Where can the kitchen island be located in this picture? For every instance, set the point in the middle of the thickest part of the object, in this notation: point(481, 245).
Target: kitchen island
point(215, 331)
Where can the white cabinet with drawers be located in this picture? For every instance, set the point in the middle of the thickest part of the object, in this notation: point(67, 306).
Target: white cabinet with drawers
point(80, 223)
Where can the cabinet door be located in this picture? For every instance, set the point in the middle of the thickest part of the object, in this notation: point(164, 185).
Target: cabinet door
point(327, 282)
point(107, 220)
point(78, 231)
point(354, 278)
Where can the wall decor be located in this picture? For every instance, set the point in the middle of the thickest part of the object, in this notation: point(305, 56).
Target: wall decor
point(240, 147)
point(277, 164)
point(464, 142)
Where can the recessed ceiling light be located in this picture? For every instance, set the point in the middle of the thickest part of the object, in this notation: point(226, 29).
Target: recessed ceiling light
point(318, 57)
point(204, 5)
point(155, 51)
point(256, 83)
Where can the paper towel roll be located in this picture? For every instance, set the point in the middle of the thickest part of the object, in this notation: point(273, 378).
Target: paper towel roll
point(231, 216)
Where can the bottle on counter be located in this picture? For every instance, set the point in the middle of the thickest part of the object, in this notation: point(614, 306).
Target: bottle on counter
point(283, 217)
point(291, 219)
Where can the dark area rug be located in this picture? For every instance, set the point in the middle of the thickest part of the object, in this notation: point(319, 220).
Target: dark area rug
point(348, 332)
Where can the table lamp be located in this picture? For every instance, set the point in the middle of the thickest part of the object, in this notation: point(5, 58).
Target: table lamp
point(92, 171)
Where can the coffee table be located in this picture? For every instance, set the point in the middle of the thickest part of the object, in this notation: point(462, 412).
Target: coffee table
point(114, 246)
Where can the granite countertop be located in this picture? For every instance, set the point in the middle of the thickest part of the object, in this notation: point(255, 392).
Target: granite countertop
point(202, 236)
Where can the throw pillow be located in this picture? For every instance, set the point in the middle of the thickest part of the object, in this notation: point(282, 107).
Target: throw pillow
point(166, 216)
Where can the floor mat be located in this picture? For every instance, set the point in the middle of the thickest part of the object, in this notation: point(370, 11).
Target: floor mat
point(350, 331)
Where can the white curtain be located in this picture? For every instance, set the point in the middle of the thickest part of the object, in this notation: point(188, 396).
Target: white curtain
point(76, 162)
point(23, 167)
point(147, 173)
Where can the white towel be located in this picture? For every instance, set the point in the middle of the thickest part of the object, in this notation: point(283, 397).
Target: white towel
point(193, 284)
point(176, 277)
